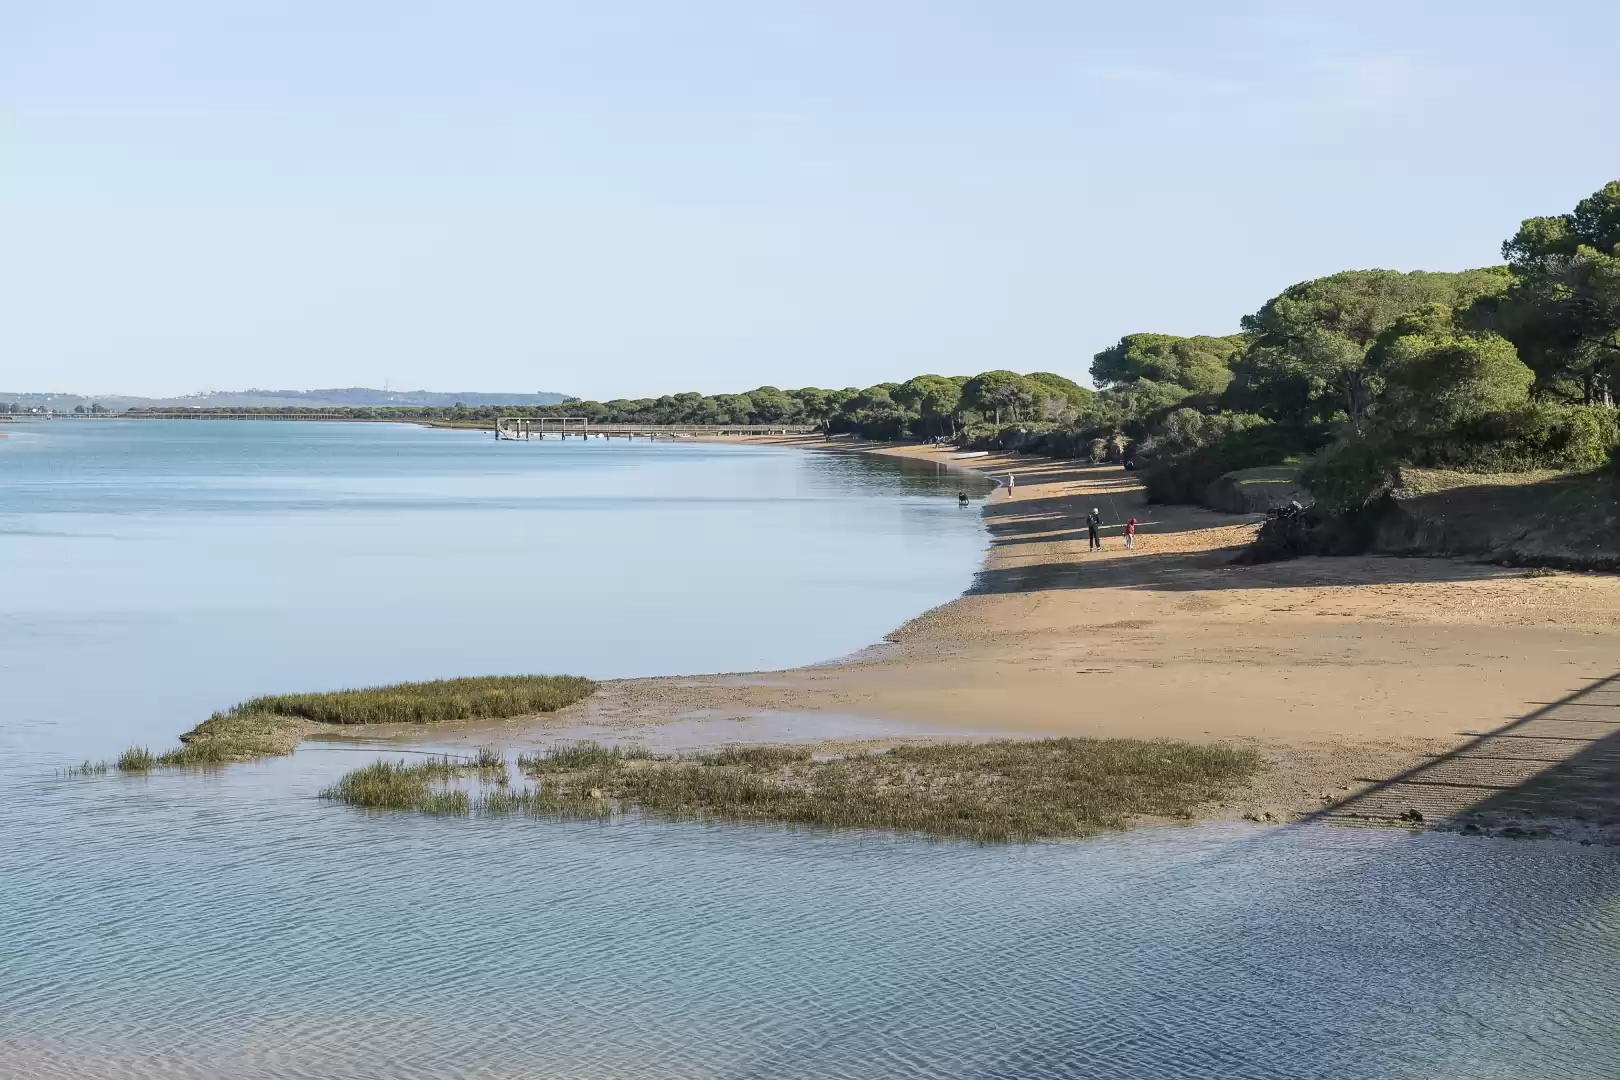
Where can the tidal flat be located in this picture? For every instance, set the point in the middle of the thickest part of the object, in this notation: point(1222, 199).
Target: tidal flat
point(995, 792)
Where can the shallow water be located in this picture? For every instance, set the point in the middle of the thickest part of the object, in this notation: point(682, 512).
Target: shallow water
point(173, 568)
point(233, 925)
point(230, 924)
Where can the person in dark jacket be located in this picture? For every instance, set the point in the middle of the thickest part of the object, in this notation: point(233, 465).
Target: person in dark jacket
point(1093, 529)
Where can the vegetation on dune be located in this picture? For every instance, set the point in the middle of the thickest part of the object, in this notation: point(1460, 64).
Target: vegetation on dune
point(430, 702)
point(987, 792)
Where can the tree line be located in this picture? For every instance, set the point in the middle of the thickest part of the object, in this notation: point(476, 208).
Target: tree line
point(924, 406)
point(1506, 367)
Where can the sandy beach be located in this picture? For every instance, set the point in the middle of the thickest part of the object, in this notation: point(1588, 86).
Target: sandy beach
point(1354, 676)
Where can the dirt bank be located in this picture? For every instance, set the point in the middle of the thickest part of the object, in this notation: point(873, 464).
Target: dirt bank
point(1527, 519)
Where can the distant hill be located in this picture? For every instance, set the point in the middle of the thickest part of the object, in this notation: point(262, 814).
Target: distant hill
point(269, 399)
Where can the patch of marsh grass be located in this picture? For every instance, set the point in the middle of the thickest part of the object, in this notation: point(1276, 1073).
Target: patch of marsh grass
point(988, 792)
point(386, 785)
point(482, 697)
point(271, 726)
point(754, 757)
point(236, 736)
point(574, 757)
point(86, 768)
point(136, 759)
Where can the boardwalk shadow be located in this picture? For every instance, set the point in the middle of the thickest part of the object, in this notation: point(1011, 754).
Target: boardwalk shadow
point(1555, 768)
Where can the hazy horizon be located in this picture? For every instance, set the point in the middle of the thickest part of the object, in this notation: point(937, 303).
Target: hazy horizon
point(629, 200)
point(319, 396)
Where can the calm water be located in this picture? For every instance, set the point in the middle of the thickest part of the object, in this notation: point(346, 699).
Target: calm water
point(156, 571)
point(229, 924)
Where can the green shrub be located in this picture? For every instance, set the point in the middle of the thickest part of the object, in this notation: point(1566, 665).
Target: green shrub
point(1352, 472)
point(1185, 479)
point(1589, 438)
point(1541, 436)
point(1187, 430)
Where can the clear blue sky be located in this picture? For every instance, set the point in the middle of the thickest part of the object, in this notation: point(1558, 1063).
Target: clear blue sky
point(613, 198)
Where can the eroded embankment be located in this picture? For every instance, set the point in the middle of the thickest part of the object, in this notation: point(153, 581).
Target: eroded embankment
point(1532, 519)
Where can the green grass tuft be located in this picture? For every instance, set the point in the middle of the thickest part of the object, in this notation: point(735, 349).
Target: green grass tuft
point(484, 697)
point(572, 757)
point(385, 785)
point(754, 757)
point(135, 759)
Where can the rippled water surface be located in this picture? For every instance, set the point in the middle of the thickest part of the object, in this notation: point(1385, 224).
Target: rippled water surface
point(230, 924)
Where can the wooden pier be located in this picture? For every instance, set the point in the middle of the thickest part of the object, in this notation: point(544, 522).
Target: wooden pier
point(565, 427)
point(505, 427)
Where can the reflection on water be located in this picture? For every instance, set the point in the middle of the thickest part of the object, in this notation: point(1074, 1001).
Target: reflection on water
point(230, 924)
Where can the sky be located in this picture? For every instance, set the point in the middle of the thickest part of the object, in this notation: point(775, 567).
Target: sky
point(616, 198)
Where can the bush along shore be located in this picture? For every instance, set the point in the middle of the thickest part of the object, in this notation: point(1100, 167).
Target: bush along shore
point(271, 726)
point(1022, 790)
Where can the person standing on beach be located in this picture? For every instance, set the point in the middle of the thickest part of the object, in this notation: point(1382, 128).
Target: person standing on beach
point(1130, 535)
point(1093, 529)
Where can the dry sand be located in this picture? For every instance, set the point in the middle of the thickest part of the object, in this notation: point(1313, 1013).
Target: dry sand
point(1346, 672)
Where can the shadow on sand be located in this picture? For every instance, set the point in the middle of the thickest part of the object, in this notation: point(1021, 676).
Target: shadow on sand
point(1200, 563)
point(1556, 768)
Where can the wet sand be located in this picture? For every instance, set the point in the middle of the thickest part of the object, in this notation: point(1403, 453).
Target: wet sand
point(1346, 673)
